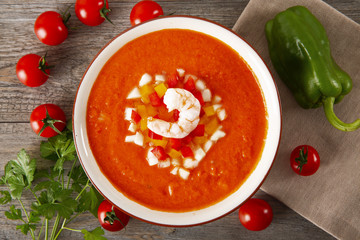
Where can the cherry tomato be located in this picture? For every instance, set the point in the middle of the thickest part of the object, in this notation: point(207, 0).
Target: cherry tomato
point(92, 12)
point(304, 160)
point(255, 214)
point(32, 70)
point(47, 120)
point(50, 28)
point(111, 218)
point(145, 10)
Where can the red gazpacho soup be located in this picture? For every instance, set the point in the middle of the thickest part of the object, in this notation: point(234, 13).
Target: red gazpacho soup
point(176, 120)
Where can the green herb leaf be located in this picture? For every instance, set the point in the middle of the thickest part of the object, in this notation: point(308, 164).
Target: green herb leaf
point(65, 208)
point(45, 185)
point(6, 197)
point(79, 179)
point(69, 125)
point(96, 234)
point(14, 214)
point(48, 151)
point(90, 201)
point(24, 166)
point(60, 148)
point(25, 228)
point(16, 185)
point(54, 200)
point(34, 217)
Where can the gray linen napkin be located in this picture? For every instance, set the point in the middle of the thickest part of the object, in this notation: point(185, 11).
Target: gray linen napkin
point(331, 197)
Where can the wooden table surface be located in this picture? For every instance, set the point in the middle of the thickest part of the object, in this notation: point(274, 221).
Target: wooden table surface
point(71, 59)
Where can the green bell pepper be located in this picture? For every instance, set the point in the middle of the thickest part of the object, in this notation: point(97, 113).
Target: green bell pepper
point(300, 52)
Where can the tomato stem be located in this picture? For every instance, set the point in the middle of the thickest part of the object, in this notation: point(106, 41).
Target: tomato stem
point(49, 122)
point(104, 11)
point(302, 159)
point(111, 217)
point(42, 65)
point(66, 16)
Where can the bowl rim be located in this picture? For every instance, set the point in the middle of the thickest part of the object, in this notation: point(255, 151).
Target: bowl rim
point(278, 101)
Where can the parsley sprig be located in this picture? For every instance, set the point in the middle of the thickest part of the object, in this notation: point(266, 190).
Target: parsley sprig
point(59, 194)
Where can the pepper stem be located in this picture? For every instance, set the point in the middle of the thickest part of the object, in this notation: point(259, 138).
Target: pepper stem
point(334, 120)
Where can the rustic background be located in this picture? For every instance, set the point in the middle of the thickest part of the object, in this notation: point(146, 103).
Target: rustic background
point(71, 59)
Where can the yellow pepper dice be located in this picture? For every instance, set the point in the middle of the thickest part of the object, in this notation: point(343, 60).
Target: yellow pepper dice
point(143, 124)
point(211, 127)
point(141, 109)
point(145, 91)
point(200, 140)
point(209, 111)
point(151, 111)
point(174, 154)
point(161, 143)
point(160, 90)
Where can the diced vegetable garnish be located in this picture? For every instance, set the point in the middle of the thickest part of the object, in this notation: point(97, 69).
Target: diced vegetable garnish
point(143, 124)
point(221, 114)
point(187, 76)
point(211, 127)
point(208, 145)
point(161, 143)
point(172, 81)
point(170, 190)
point(217, 135)
point(175, 143)
point(141, 109)
point(198, 131)
point(190, 163)
point(164, 164)
point(174, 171)
point(159, 152)
point(130, 138)
point(128, 112)
point(174, 154)
point(153, 135)
point(159, 78)
point(139, 139)
point(145, 91)
point(154, 99)
point(199, 154)
point(132, 127)
point(186, 140)
point(217, 99)
point(145, 79)
point(198, 96)
point(161, 89)
point(181, 72)
point(135, 93)
point(206, 95)
point(135, 117)
point(152, 160)
point(200, 85)
point(150, 110)
point(175, 162)
point(209, 111)
point(184, 174)
point(189, 84)
point(181, 154)
point(216, 107)
point(187, 152)
point(200, 140)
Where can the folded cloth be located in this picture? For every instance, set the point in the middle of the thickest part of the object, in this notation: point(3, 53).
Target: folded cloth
point(331, 197)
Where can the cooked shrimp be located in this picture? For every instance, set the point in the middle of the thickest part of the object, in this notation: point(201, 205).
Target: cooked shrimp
point(189, 111)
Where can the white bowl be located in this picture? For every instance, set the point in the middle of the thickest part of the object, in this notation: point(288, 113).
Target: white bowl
point(230, 203)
